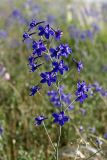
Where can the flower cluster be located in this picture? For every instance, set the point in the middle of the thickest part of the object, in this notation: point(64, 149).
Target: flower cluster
point(56, 56)
point(40, 48)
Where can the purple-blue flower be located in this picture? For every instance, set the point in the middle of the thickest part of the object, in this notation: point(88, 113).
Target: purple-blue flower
point(66, 98)
point(100, 89)
point(38, 47)
point(97, 87)
point(58, 34)
point(45, 31)
point(3, 34)
point(82, 88)
point(33, 24)
point(82, 97)
point(83, 35)
point(64, 50)
point(48, 77)
point(105, 135)
point(33, 65)
point(78, 64)
point(39, 120)
point(1, 130)
point(54, 52)
point(56, 99)
point(27, 35)
point(60, 118)
point(61, 67)
point(34, 89)
point(89, 34)
point(71, 107)
point(16, 13)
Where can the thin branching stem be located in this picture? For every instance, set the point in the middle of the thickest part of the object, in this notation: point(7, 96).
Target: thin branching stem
point(60, 129)
point(49, 137)
point(57, 150)
point(69, 105)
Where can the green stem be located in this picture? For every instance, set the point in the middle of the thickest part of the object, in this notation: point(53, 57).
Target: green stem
point(57, 153)
point(49, 137)
point(70, 104)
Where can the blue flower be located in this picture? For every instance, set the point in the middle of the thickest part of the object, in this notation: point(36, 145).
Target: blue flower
point(16, 13)
point(71, 107)
point(58, 34)
point(1, 130)
point(55, 98)
point(32, 59)
point(33, 65)
point(61, 50)
point(66, 98)
point(83, 35)
point(48, 77)
point(61, 67)
point(56, 101)
point(78, 64)
point(64, 50)
point(60, 118)
point(82, 88)
point(103, 92)
point(89, 34)
point(54, 52)
point(95, 27)
point(34, 90)
point(38, 47)
point(34, 23)
point(27, 35)
point(39, 120)
point(3, 34)
point(97, 87)
point(82, 97)
point(105, 135)
point(45, 31)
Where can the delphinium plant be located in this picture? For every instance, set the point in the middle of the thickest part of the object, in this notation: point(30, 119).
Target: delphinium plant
point(50, 62)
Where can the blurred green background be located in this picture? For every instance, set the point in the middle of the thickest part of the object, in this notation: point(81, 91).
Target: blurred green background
point(84, 27)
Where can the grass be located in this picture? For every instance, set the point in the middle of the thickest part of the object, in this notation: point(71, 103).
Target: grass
point(21, 140)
